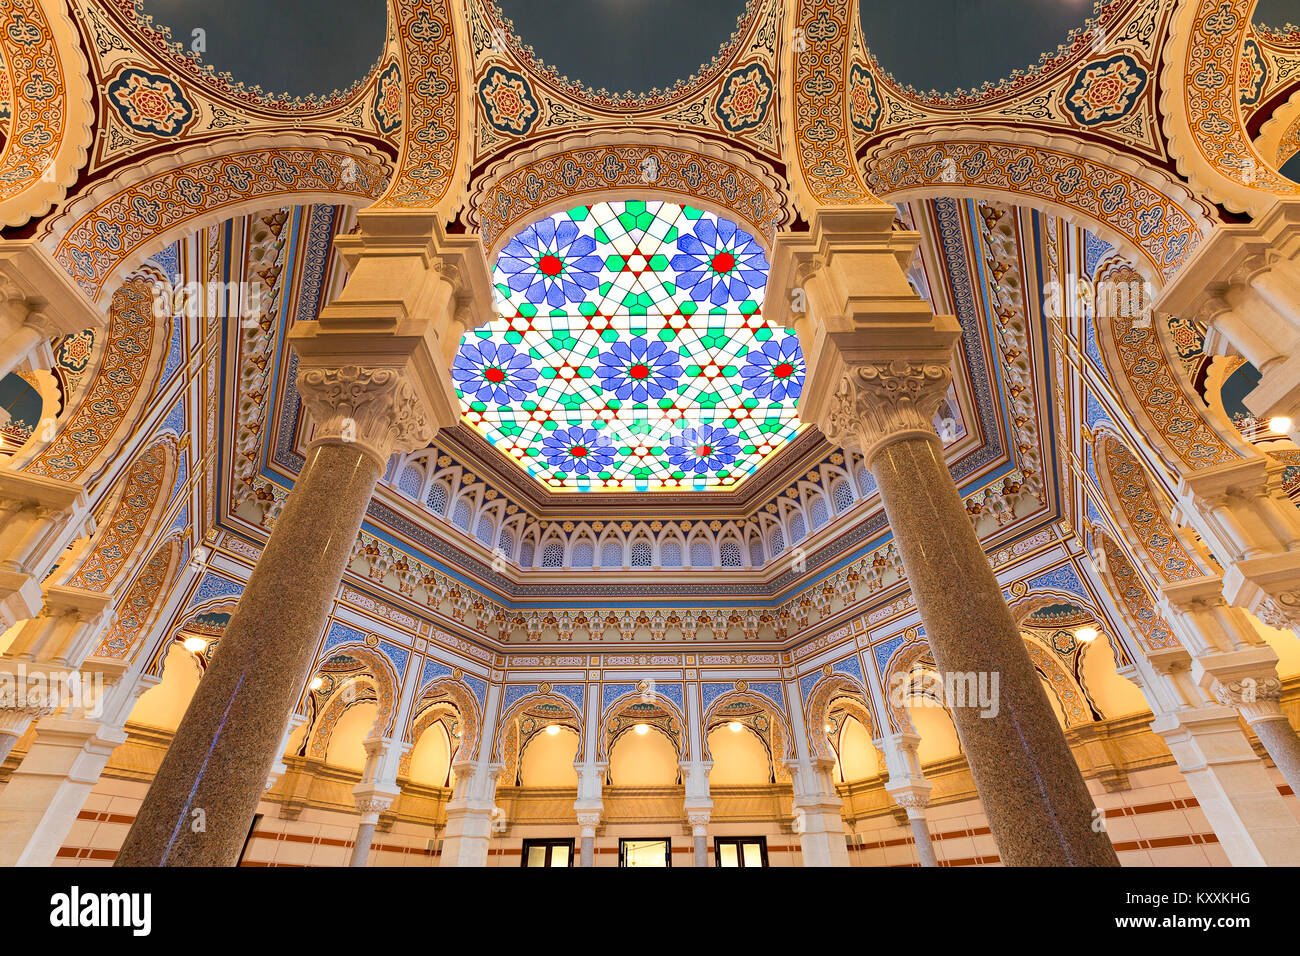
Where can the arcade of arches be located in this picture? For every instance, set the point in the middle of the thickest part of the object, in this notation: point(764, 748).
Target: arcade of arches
point(788, 467)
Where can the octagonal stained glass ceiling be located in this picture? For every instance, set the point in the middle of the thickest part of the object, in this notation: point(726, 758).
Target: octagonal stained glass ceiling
point(630, 353)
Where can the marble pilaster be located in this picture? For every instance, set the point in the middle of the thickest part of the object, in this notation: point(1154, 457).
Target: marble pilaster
point(909, 788)
point(1232, 665)
point(40, 803)
point(39, 517)
point(589, 806)
point(818, 819)
point(472, 815)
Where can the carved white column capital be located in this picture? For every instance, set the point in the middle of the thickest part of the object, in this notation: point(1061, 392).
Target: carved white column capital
point(879, 402)
point(1255, 698)
point(376, 408)
point(15, 720)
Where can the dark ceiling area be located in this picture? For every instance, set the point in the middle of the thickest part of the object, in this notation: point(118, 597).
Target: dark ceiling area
point(620, 45)
point(297, 47)
point(301, 47)
point(316, 46)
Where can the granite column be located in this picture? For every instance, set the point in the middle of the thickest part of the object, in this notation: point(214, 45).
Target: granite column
point(878, 367)
point(373, 376)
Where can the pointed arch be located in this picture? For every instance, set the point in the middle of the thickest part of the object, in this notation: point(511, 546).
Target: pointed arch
point(520, 723)
point(143, 601)
point(134, 508)
point(381, 671)
point(1142, 512)
point(773, 729)
point(822, 699)
point(120, 222)
point(451, 693)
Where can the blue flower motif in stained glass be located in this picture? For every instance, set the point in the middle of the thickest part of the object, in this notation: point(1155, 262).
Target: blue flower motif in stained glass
point(494, 372)
point(639, 370)
point(630, 352)
point(576, 449)
point(775, 370)
point(719, 262)
point(702, 449)
point(550, 262)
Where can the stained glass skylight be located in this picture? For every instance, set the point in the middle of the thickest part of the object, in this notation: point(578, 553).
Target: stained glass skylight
point(630, 352)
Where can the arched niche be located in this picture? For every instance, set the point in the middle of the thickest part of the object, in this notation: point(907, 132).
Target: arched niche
point(643, 759)
point(548, 759)
point(163, 705)
point(740, 758)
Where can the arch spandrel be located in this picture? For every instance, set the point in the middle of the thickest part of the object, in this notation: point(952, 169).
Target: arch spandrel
point(1153, 218)
point(133, 510)
point(437, 116)
point(1133, 597)
point(141, 604)
point(49, 95)
point(1134, 505)
point(1202, 111)
point(1187, 435)
point(118, 223)
point(816, 70)
point(556, 175)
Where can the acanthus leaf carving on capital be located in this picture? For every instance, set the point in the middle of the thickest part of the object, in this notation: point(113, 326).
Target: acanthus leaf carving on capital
point(374, 407)
point(1282, 613)
point(589, 819)
point(16, 720)
point(910, 800)
point(880, 401)
point(1256, 698)
point(372, 804)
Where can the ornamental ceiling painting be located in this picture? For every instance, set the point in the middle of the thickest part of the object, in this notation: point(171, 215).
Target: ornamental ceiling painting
point(629, 236)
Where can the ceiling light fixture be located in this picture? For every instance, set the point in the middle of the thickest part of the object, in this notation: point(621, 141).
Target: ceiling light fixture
point(553, 729)
point(1279, 424)
point(735, 726)
point(317, 683)
point(642, 729)
point(1086, 634)
point(195, 645)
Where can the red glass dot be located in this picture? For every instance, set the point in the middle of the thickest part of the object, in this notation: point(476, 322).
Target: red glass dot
point(577, 451)
point(494, 375)
point(723, 262)
point(639, 371)
point(704, 451)
point(784, 370)
point(550, 266)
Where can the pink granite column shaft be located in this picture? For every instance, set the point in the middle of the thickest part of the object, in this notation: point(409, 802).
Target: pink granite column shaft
point(201, 804)
point(1037, 804)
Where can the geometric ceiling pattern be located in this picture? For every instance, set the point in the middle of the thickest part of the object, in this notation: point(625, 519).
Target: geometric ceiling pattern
point(630, 352)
